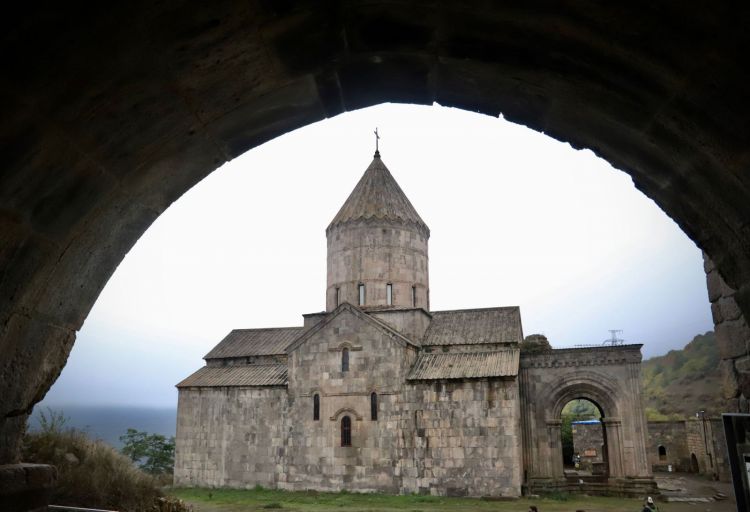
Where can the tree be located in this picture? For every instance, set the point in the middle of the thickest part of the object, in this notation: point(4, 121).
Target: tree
point(154, 453)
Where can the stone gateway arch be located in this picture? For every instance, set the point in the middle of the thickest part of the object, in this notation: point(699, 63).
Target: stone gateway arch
point(114, 111)
point(609, 377)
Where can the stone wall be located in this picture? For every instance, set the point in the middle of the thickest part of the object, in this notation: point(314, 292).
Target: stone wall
point(588, 442)
point(378, 362)
point(684, 438)
point(733, 339)
point(377, 253)
point(672, 435)
point(607, 376)
point(230, 436)
point(465, 437)
point(412, 322)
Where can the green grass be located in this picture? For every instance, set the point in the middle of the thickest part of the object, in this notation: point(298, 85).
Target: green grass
point(232, 500)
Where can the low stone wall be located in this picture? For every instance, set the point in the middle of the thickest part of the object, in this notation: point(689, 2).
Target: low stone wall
point(672, 435)
point(684, 438)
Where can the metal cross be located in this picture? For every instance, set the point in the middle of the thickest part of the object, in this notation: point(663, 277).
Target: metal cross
point(377, 138)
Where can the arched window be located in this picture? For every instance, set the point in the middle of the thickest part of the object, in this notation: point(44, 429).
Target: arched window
point(389, 294)
point(414, 296)
point(346, 431)
point(316, 407)
point(374, 406)
point(345, 360)
point(662, 453)
point(361, 294)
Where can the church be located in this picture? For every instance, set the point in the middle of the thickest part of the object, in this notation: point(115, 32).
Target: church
point(379, 393)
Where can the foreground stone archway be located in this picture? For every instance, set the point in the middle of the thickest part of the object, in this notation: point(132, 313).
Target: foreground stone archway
point(610, 378)
point(110, 114)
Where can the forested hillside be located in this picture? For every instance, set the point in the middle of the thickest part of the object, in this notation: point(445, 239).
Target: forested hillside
point(683, 382)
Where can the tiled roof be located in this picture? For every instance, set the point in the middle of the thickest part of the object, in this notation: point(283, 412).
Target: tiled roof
point(377, 196)
point(465, 365)
point(246, 375)
point(255, 342)
point(474, 326)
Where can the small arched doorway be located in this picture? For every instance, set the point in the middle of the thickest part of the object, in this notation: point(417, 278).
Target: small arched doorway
point(694, 467)
point(662, 453)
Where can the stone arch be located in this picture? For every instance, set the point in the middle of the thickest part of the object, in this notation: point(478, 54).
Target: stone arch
point(602, 391)
point(346, 410)
point(606, 376)
point(596, 387)
point(89, 164)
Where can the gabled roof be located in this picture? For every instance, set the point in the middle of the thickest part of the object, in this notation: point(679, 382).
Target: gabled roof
point(377, 196)
point(465, 365)
point(347, 307)
point(474, 326)
point(255, 342)
point(244, 375)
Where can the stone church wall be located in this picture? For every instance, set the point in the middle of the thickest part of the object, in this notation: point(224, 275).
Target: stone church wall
point(230, 436)
point(378, 362)
point(463, 438)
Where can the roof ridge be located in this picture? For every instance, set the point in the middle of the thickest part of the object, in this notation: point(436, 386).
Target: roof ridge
point(465, 353)
point(267, 328)
point(494, 308)
point(231, 366)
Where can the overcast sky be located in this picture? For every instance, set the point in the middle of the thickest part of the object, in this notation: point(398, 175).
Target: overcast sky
point(516, 218)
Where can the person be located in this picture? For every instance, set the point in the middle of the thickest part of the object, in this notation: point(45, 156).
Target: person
point(649, 506)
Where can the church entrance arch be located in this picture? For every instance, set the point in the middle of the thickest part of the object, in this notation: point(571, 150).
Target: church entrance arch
point(608, 377)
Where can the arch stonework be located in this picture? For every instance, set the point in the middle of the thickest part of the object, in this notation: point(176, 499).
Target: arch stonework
point(111, 113)
point(607, 376)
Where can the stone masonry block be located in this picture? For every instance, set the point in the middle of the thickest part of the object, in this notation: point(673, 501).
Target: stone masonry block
point(729, 384)
point(742, 366)
point(732, 338)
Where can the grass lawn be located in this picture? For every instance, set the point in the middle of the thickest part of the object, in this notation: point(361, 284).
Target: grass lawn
point(231, 500)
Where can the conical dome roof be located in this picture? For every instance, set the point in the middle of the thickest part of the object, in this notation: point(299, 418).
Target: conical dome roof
point(377, 196)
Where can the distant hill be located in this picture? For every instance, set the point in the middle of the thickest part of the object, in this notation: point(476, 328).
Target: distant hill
point(683, 382)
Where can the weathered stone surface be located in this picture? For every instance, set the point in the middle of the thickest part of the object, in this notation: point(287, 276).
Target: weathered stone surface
point(607, 376)
point(26, 487)
point(733, 338)
point(672, 436)
point(742, 365)
point(729, 385)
